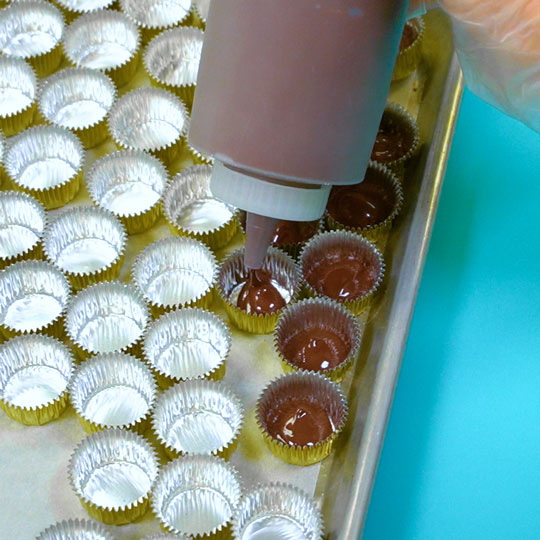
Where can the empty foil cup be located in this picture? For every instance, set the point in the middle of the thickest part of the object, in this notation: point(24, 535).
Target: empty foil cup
point(172, 60)
point(18, 90)
point(22, 222)
point(34, 374)
point(150, 119)
point(2, 152)
point(87, 243)
point(105, 40)
point(198, 417)
point(106, 317)
point(33, 296)
point(277, 281)
point(113, 390)
point(197, 495)
point(275, 511)
point(78, 99)
point(46, 162)
point(112, 473)
point(130, 184)
point(165, 536)
point(187, 344)
point(75, 529)
point(33, 30)
point(200, 9)
point(300, 416)
point(175, 272)
point(191, 210)
point(74, 8)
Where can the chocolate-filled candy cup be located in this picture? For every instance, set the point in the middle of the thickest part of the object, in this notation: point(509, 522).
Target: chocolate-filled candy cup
point(410, 52)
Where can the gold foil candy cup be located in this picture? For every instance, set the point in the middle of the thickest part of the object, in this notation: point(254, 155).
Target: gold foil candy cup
point(78, 99)
point(34, 374)
point(75, 529)
point(33, 297)
point(18, 92)
point(317, 335)
point(340, 251)
point(106, 317)
point(203, 486)
point(75, 8)
point(22, 222)
point(310, 393)
point(232, 277)
point(150, 119)
point(185, 344)
point(87, 243)
point(175, 272)
point(113, 390)
point(130, 184)
point(172, 61)
point(200, 12)
point(277, 511)
point(409, 57)
point(33, 30)
point(191, 210)
point(47, 163)
point(112, 472)
point(377, 232)
point(105, 40)
point(198, 417)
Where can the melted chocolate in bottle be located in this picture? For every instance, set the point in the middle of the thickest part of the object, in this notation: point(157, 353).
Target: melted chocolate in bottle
point(259, 295)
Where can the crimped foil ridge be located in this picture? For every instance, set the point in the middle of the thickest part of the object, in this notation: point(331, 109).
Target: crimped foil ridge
point(146, 17)
point(17, 70)
point(70, 529)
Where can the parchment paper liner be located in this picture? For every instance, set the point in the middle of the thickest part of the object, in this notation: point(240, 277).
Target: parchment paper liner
point(197, 478)
point(197, 157)
point(199, 12)
point(18, 212)
point(179, 412)
point(106, 374)
point(97, 32)
point(139, 117)
point(106, 307)
point(311, 386)
point(73, 88)
point(37, 357)
point(375, 233)
point(16, 73)
point(96, 232)
point(409, 58)
point(25, 278)
point(36, 147)
point(178, 336)
point(101, 453)
point(117, 174)
point(190, 187)
point(346, 242)
point(172, 61)
point(75, 529)
point(75, 8)
point(31, 17)
point(175, 272)
point(233, 272)
point(318, 313)
point(278, 504)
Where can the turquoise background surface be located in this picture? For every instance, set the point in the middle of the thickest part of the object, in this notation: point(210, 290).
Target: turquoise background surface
point(461, 458)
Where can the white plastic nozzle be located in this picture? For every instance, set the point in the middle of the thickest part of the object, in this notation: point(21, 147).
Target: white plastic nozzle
point(259, 234)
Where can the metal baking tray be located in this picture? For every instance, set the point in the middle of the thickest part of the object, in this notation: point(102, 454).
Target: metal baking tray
point(34, 488)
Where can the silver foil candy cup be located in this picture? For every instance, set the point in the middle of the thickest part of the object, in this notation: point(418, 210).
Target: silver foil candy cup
point(175, 272)
point(130, 184)
point(33, 297)
point(197, 495)
point(46, 162)
point(165, 536)
point(187, 344)
point(106, 317)
point(275, 511)
point(113, 390)
point(191, 209)
point(87, 243)
point(22, 222)
point(112, 472)
point(75, 529)
point(198, 417)
point(34, 374)
point(78, 7)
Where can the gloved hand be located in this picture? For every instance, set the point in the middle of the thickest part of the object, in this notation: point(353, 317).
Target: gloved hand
point(498, 45)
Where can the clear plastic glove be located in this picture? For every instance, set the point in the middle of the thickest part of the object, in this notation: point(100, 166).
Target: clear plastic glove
point(498, 45)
